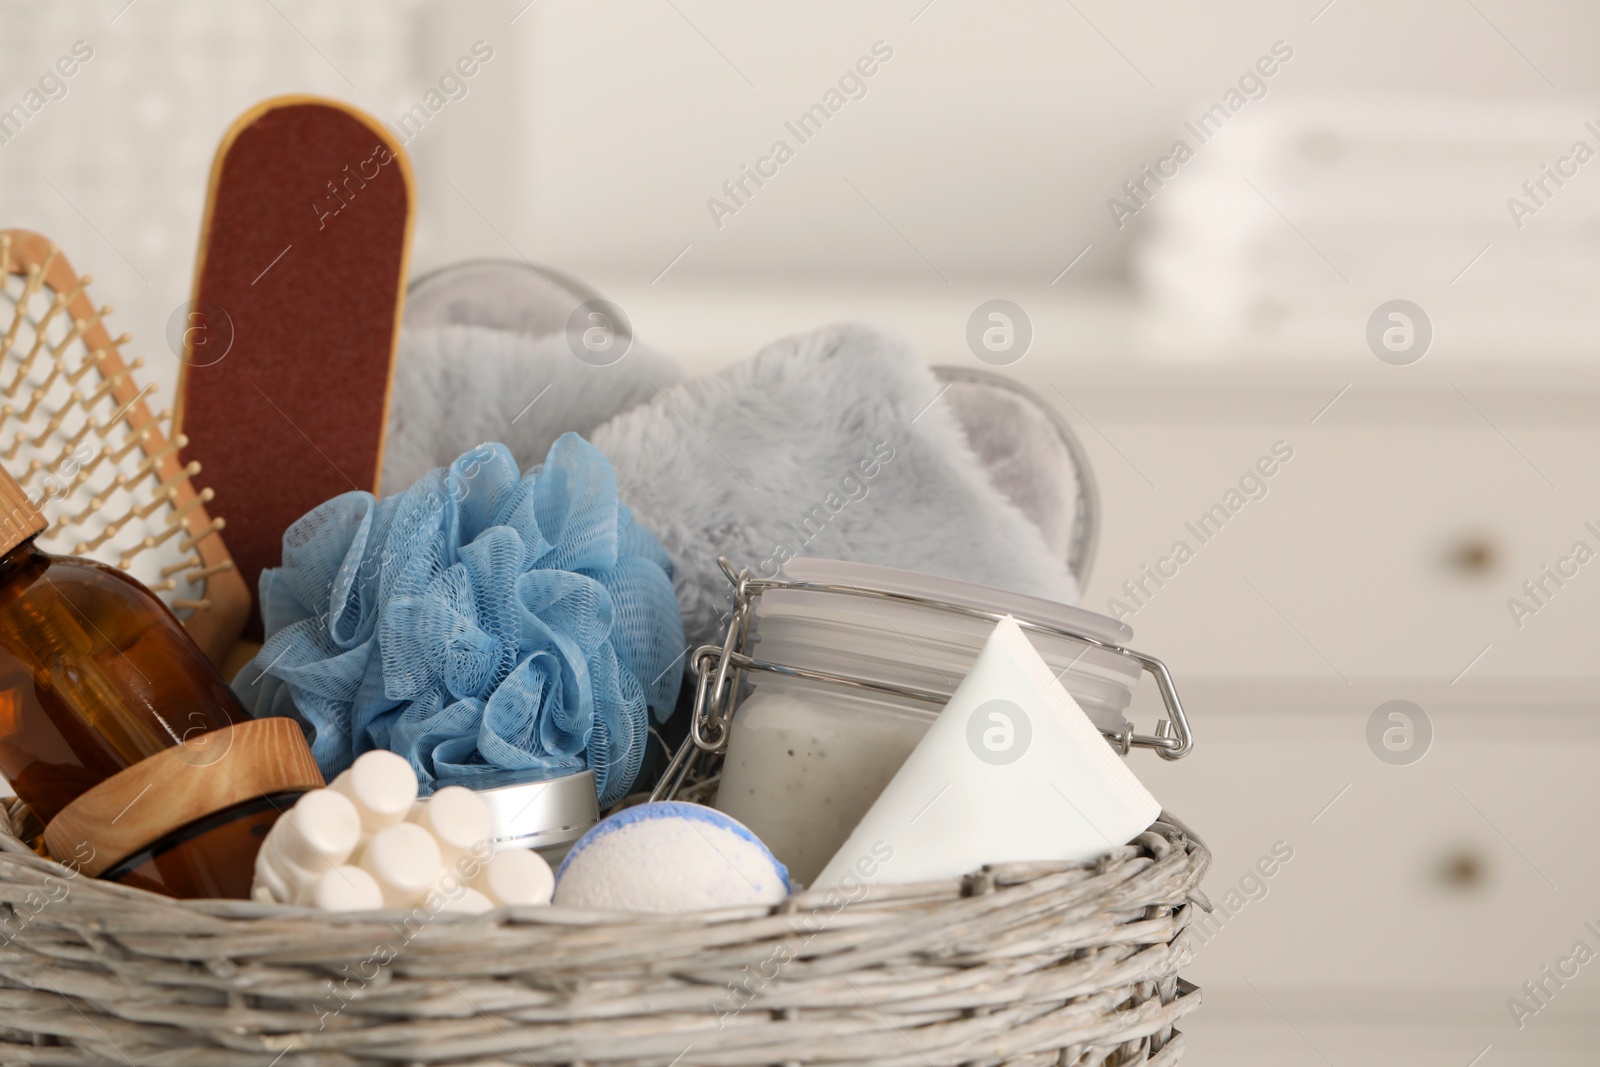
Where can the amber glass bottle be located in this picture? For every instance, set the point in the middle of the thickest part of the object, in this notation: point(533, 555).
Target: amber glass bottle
point(96, 677)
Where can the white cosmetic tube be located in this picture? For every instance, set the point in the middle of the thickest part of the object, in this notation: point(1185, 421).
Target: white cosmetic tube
point(1011, 770)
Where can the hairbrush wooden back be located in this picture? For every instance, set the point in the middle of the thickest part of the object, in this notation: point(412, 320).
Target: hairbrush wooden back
point(77, 434)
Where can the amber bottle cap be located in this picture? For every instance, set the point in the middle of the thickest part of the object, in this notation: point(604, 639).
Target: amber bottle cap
point(20, 518)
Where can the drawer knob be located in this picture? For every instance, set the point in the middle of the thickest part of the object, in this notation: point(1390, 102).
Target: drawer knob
point(1462, 869)
point(1474, 555)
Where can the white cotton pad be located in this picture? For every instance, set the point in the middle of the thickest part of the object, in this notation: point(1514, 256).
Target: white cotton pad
point(319, 832)
point(516, 876)
point(667, 857)
point(382, 785)
point(458, 819)
point(404, 860)
point(345, 889)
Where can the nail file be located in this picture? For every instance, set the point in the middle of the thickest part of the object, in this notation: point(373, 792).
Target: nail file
point(301, 267)
point(77, 430)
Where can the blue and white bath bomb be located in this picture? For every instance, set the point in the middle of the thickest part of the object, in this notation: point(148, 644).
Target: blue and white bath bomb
point(667, 857)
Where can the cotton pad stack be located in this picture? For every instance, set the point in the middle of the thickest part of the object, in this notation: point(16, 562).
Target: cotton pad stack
point(366, 842)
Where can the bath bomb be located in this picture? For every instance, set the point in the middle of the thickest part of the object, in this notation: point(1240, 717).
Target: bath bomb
point(667, 857)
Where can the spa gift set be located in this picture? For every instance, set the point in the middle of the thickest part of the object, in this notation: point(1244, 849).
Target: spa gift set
point(737, 720)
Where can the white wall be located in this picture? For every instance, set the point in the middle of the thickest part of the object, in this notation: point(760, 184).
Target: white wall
point(983, 153)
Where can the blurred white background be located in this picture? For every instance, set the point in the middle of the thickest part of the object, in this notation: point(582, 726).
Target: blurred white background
point(1377, 162)
point(980, 160)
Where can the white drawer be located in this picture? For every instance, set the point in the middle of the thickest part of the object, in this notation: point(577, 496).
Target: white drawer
point(1435, 888)
point(1388, 546)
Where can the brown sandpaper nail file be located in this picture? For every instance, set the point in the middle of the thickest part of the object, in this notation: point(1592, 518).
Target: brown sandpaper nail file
point(303, 255)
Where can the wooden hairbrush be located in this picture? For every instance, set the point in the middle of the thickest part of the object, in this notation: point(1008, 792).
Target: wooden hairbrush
point(78, 436)
point(303, 250)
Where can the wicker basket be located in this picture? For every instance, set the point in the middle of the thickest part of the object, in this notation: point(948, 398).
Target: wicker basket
point(1021, 964)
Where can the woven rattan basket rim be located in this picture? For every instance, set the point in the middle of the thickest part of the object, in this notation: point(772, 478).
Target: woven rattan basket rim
point(1059, 963)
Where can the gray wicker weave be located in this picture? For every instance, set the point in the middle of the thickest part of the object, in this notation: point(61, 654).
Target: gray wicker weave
point(1022, 964)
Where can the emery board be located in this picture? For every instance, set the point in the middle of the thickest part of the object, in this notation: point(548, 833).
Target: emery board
point(299, 287)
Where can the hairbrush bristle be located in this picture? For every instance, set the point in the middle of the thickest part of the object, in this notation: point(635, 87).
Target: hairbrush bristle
point(80, 440)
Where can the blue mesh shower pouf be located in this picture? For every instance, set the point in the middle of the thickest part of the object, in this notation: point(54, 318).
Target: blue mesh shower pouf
point(481, 621)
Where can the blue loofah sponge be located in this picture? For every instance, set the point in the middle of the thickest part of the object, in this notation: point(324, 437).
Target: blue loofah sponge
point(481, 621)
point(668, 857)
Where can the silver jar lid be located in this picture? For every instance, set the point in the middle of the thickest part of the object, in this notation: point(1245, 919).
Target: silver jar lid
point(537, 813)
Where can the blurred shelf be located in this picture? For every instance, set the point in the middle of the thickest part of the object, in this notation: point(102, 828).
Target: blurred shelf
point(1099, 339)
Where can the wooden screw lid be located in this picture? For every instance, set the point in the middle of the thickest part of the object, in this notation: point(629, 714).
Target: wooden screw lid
point(20, 518)
point(144, 802)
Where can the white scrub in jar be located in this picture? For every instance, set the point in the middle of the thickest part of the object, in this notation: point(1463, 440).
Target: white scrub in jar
point(805, 762)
